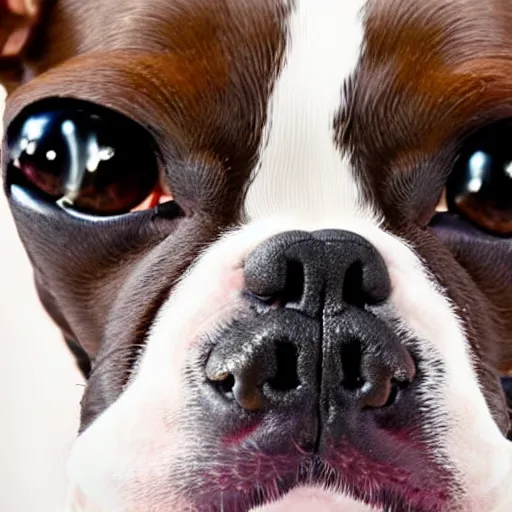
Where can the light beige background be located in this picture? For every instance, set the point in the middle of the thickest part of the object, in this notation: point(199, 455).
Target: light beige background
point(39, 387)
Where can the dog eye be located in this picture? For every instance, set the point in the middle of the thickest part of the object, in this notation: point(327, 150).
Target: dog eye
point(480, 185)
point(86, 158)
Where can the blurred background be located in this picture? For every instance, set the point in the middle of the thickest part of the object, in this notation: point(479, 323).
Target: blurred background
point(40, 388)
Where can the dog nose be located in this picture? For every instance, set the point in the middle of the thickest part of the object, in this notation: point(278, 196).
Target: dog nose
point(311, 292)
point(311, 271)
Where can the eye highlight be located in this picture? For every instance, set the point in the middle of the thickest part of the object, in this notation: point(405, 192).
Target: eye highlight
point(86, 158)
point(480, 185)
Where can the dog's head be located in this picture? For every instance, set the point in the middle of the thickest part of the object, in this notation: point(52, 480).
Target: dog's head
point(281, 232)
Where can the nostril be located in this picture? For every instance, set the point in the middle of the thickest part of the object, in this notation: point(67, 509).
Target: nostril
point(222, 381)
point(250, 374)
point(372, 379)
point(226, 385)
point(351, 357)
point(290, 294)
point(294, 288)
point(353, 289)
point(286, 377)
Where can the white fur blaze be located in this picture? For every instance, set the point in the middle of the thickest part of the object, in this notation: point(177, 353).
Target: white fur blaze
point(301, 170)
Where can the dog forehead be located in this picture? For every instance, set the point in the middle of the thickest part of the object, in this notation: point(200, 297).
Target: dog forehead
point(362, 87)
point(251, 85)
point(209, 44)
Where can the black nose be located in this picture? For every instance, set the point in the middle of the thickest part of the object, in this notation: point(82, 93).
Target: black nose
point(311, 271)
point(314, 328)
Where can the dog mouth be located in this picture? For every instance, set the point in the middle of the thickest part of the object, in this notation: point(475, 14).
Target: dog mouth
point(313, 427)
point(261, 480)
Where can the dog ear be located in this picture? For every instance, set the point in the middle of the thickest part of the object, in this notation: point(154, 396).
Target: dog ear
point(19, 20)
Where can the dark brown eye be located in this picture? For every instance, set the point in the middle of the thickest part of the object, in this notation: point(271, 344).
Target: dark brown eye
point(480, 186)
point(85, 157)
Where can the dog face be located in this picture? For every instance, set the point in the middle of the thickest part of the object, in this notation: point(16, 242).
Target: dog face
point(280, 231)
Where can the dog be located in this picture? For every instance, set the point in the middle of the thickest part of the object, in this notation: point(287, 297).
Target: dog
point(276, 235)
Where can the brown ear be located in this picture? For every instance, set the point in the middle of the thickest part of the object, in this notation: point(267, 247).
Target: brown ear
point(18, 22)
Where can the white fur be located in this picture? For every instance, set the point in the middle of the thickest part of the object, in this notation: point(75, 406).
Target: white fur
point(300, 170)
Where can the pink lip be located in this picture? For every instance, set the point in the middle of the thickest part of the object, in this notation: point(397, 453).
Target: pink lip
point(256, 478)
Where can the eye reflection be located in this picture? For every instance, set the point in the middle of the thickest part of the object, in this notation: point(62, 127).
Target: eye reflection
point(477, 167)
